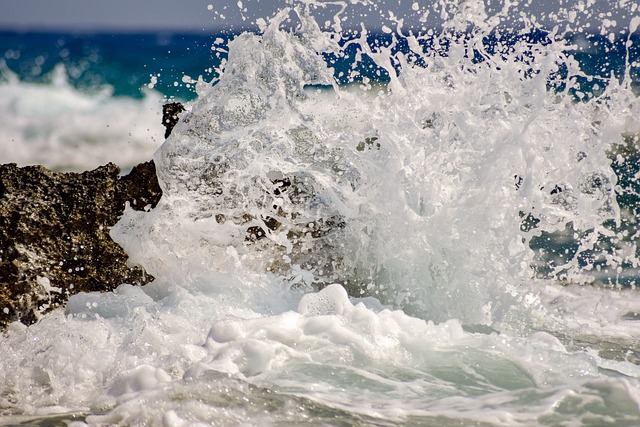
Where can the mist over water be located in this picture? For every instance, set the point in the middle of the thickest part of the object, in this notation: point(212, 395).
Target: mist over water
point(429, 226)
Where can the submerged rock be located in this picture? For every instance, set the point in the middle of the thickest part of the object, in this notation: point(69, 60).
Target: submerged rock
point(54, 234)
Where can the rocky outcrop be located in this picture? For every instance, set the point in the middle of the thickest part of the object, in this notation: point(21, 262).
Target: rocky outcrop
point(54, 234)
point(171, 116)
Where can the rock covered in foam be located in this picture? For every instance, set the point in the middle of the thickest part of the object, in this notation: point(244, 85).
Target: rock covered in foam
point(54, 234)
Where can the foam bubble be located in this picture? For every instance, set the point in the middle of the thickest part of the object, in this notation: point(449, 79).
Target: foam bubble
point(331, 300)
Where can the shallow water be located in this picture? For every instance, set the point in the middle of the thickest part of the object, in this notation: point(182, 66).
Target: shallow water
point(382, 253)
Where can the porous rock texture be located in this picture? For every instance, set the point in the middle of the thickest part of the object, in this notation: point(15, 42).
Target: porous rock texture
point(171, 116)
point(54, 234)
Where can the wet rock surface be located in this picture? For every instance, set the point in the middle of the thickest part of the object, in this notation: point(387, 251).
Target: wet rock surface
point(171, 116)
point(54, 234)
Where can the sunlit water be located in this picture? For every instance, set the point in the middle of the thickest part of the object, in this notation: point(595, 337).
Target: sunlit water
point(362, 254)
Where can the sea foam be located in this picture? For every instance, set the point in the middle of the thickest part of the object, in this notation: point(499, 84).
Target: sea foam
point(60, 127)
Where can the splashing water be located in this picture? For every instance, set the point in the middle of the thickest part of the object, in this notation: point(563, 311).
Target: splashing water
point(379, 252)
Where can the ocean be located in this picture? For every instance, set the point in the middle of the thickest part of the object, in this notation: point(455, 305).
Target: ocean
point(435, 224)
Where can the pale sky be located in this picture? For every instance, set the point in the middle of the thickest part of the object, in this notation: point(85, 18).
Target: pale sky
point(191, 15)
point(211, 15)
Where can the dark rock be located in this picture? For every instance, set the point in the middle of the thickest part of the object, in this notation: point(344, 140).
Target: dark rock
point(170, 116)
point(54, 234)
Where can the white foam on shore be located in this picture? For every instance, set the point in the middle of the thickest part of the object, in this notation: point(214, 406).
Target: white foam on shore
point(62, 128)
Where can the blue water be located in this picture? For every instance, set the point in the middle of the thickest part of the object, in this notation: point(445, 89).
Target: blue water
point(126, 62)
